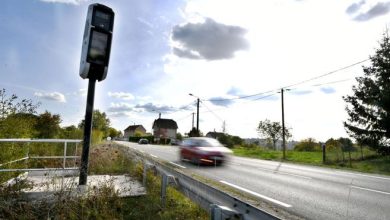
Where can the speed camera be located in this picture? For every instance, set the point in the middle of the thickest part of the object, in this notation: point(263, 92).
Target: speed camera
point(96, 48)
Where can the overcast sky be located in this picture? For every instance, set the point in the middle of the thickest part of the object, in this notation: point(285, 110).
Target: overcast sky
point(218, 50)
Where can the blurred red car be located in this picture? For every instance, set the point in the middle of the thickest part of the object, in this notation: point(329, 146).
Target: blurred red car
point(202, 150)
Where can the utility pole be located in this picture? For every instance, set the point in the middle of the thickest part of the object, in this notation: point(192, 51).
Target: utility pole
point(197, 112)
point(283, 128)
point(197, 117)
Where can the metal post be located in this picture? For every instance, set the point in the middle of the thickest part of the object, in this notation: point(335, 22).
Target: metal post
point(197, 117)
point(75, 154)
point(164, 184)
point(323, 153)
point(64, 161)
point(283, 128)
point(87, 132)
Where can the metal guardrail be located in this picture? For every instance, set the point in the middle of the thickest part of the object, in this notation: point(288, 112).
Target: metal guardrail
point(220, 204)
point(27, 157)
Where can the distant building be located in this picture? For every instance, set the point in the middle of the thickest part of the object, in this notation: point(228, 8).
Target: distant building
point(132, 130)
point(164, 128)
point(214, 134)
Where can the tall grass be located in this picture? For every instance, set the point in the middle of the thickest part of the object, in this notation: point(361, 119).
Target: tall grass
point(104, 203)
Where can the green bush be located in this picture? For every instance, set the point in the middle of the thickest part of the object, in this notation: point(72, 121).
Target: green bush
point(308, 145)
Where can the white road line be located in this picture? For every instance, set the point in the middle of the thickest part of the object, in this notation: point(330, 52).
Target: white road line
point(372, 190)
point(177, 164)
point(358, 174)
point(153, 156)
point(257, 194)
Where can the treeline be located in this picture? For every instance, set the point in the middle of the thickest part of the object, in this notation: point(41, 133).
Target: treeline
point(19, 119)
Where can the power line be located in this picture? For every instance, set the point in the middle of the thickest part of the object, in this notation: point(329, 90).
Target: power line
point(184, 117)
point(326, 74)
point(295, 84)
point(333, 82)
point(240, 97)
point(212, 112)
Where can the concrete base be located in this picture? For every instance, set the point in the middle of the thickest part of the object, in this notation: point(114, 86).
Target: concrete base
point(47, 183)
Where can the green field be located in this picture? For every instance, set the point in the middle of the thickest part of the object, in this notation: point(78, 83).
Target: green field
point(371, 162)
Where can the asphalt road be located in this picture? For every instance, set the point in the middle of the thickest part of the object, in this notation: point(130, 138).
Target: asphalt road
point(311, 192)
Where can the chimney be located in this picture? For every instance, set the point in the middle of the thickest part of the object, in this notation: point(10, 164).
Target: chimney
point(159, 115)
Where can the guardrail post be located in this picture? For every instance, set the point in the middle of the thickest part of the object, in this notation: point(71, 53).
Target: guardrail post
point(223, 213)
point(164, 183)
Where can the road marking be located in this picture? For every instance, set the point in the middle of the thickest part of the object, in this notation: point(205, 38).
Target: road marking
point(177, 164)
point(153, 156)
point(358, 174)
point(257, 194)
point(372, 190)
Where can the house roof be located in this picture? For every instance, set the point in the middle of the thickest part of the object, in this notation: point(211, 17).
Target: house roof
point(164, 123)
point(133, 127)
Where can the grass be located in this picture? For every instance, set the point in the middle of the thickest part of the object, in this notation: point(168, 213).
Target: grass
point(372, 163)
point(105, 158)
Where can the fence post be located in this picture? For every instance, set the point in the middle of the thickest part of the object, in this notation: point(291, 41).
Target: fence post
point(75, 154)
point(65, 146)
point(323, 153)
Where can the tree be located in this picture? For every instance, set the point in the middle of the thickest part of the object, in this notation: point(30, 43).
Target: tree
point(19, 125)
point(272, 131)
point(71, 132)
point(100, 122)
point(112, 132)
point(229, 140)
point(309, 144)
point(10, 105)
point(194, 133)
point(369, 106)
point(179, 136)
point(48, 125)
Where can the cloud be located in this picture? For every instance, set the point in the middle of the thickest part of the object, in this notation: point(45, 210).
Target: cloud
point(208, 40)
point(74, 2)
point(51, 96)
point(301, 92)
point(235, 91)
point(359, 14)
point(81, 92)
point(120, 107)
point(355, 7)
point(328, 90)
point(221, 101)
point(150, 107)
point(121, 95)
point(119, 114)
